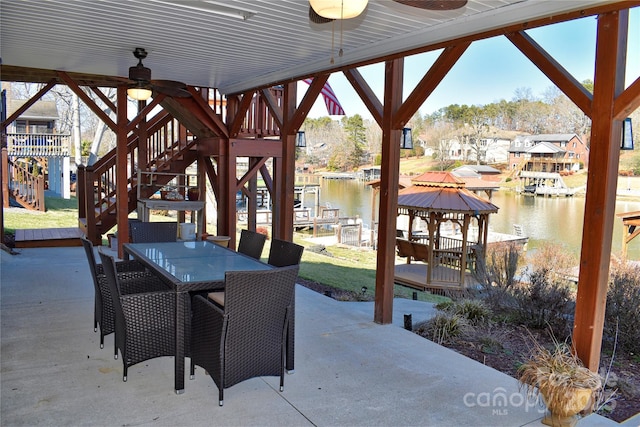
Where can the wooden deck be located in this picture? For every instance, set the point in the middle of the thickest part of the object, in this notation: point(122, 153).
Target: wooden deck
point(414, 275)
point(47, 237)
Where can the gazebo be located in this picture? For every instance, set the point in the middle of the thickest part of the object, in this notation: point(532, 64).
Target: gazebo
point(439, 198)
point(631, 228)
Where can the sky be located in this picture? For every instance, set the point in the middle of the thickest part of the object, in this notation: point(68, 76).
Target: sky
point(491, 70)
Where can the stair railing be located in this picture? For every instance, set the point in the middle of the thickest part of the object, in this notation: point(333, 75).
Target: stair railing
point(26, 185)
point(98, 198)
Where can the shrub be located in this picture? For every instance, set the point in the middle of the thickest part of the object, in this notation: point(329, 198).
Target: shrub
point(496, 271)
point(475, 311)
point(545, 300)
point(444, 305)
point(553, 257)
point(622, 316)
point(443, 327)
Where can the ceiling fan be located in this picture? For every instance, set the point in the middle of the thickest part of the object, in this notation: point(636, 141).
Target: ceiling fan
point(434, 4)
point(141, 85)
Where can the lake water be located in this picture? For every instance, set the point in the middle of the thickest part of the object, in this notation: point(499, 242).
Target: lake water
point(544, 219)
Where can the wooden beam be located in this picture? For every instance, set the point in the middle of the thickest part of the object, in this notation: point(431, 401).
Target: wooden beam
point(212, 175)
point(254, 167)
point(628, 101)
point(272, 105)
point(24, 107)
point(284, 179)
point(266, 177)
point(88, 101)
point(240, 113)
point(553, 70)
point(256, 147)
point(122, 180)
point(429, 82)
point(307, 102)
point(599, 211)
point(142, 114)
point(390, 171)
point(218, 123)
point(366, 94)
point(104, 98)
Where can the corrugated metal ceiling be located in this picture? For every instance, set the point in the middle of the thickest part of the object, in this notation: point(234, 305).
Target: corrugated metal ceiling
point(190, 44)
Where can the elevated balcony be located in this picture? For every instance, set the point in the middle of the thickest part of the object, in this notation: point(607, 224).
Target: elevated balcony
point(38, 145)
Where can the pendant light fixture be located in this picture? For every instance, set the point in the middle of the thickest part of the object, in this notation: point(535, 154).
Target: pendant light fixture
point(338, 9)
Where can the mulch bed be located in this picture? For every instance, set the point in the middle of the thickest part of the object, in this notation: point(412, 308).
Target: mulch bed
point(504, 347)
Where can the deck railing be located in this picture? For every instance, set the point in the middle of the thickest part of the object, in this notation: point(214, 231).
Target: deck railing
point(37, 145)
point(26, 185)
point(98, 198)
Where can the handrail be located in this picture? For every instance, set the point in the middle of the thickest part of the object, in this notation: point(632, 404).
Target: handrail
point(163, 144)
point(27, 187)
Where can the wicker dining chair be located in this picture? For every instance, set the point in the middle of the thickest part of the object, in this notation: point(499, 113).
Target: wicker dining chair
point(144, 322)
point(283, 253)
point(251, 243)
point(152, 232)
point(134, 278)
point(247, 337)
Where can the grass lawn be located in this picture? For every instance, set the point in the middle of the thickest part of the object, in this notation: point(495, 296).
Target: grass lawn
point(342, 268)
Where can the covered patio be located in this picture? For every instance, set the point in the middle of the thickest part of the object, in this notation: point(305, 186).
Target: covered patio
point(252, 66)
point(350, 371)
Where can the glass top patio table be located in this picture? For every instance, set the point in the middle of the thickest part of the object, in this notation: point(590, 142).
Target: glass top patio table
point(185, 263)
point(189, 266)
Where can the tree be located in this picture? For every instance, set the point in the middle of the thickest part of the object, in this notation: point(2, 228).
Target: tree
point(356, 139)
point(477, 120)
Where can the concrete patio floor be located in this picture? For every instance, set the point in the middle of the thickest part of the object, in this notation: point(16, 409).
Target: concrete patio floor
point(349, 370)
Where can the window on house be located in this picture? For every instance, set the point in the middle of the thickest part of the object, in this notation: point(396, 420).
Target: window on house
point(571, 154)
point(21, 126)
point(575, 144)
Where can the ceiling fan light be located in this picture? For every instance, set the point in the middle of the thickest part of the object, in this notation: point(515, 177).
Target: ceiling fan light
point(338, 9)
point(139, 92)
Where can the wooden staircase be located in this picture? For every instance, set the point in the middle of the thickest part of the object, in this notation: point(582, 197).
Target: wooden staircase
point(169, 148)
point(25, 187)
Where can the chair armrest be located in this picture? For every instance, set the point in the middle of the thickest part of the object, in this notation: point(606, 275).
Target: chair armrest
point(133, 282)
point(150, 304)
point(129, 265)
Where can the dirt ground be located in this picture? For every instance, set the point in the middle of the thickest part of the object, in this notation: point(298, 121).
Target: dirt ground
point(505, 347)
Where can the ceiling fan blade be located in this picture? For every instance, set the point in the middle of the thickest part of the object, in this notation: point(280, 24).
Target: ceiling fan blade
point(434, 4)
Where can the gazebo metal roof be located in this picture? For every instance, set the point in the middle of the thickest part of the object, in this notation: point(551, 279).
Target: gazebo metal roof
point(442, 192)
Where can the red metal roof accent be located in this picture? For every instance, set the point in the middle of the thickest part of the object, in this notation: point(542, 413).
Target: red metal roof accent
point(438, 179)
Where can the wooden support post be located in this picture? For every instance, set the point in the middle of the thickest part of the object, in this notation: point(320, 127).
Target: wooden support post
point(122, 182)
point(611, 46)
point(285, 182)
point(252, 202)
point(390, 170)
point(227, 192)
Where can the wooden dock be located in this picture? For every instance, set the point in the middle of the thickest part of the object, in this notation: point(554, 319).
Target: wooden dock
point(414, 275)
point(47, 237)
